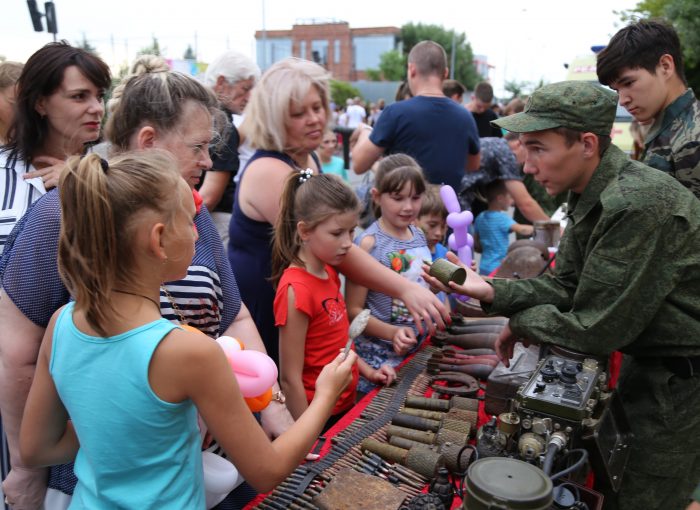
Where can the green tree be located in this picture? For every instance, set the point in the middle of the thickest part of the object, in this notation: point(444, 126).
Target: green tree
point(392, 67)
point(684, 15)
point(189, 53)
point(373, 74)
point(151, 49)
point(465, 72)
point(85, 45)
point(341, 91)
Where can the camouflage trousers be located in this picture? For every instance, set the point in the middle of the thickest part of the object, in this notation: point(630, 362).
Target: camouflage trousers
point(664, 414)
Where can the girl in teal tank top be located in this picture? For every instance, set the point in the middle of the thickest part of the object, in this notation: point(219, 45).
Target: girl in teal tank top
point(117, 388)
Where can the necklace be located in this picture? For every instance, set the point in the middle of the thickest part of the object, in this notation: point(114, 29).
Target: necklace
point(140, 295)
point(177, 310)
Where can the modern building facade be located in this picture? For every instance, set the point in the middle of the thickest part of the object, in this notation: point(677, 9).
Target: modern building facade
point(346, 52)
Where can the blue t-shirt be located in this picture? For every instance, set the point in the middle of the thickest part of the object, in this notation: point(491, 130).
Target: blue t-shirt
point(493, 228)
point(436, 131)
point(136, 450)
point(440, 252)
point(335, 166)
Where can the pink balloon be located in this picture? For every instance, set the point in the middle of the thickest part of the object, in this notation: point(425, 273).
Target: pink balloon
point(255, 372)
point(449, 197)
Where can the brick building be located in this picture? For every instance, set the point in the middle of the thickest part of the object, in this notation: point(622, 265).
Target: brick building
point(346, 52)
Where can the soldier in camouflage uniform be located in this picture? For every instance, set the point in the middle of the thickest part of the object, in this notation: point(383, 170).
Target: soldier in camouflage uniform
point(644, 63)
point(627, 278)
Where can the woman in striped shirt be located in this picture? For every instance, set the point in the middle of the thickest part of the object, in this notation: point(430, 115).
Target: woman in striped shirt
point(58, 111)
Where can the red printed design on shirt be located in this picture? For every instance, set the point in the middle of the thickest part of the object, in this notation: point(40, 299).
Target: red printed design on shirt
point(334, 309)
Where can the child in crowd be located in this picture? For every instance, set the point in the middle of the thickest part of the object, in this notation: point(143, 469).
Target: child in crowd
point(127, 226)
point(432, 220)
point(397, 243)
point(493, 226)
point(318, 216)
point(330, 163)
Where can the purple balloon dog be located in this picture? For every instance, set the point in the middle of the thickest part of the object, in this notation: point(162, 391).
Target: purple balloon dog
point(460, 240)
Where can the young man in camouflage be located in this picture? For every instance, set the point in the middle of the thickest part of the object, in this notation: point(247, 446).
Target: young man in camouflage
point(644, 64)
point(627, 278)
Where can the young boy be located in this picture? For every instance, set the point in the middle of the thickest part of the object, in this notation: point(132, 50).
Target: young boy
point(644, 64)
point(432, 220)
point(493, 226)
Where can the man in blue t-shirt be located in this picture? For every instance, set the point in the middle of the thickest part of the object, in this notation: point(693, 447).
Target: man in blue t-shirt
point(440, 134)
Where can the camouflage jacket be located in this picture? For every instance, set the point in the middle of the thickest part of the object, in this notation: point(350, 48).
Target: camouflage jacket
point(627, 272)
point(673, 142)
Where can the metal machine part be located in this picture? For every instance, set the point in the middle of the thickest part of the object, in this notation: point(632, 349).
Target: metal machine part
point(563, 420)
point(506, 484)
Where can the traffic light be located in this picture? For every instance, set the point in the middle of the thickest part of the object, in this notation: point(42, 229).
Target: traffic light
point(51, 24)
point(49, 13)
point(36, 16)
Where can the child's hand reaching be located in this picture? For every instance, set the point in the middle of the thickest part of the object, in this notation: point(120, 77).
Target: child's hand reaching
point(335, 376)
point(403, 340)
point(384, 375)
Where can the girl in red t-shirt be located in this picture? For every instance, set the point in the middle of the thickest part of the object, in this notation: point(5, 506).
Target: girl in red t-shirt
point(314, 231)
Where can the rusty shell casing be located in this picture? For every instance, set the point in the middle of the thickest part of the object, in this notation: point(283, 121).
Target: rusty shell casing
point(430, 415)
point(424, 460)
point(450, 453)
point(447, 272)
point(429, 404)
point(415, 422)
point(402, 442)
point(470, 417)
point(467, 404)
point(385, 451)
point(421, 436)
point(470, 340)
point(450, 436)
point(463, 427)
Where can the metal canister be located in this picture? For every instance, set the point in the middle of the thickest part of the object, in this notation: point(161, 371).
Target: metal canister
point(447, 272)
point(548, 232)
point(506, 484)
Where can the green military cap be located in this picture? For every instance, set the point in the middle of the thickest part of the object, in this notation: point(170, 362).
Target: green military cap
point(578, 105)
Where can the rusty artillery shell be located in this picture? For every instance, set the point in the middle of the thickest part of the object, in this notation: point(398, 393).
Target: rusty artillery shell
point(463, 427)
point(385, 451)
point(450, 436)
point(402, 442)
point(447, 272)
point(470, 417)
point(424, 460)
point(430, 415)
point(467, 404)
point(430, 404)
point(450, 453)
point(415, 422)
point(421, 436)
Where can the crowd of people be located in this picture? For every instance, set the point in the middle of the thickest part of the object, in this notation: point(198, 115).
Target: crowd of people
point(199, 210)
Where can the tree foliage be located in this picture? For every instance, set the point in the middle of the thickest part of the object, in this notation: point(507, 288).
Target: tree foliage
point(465, 72)
point(151, 49)
point(189, 53)
point(684, 15)
point(341, 91)
point(85, 45)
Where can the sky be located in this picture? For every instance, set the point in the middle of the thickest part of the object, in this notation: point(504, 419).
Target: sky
point(523, 40)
